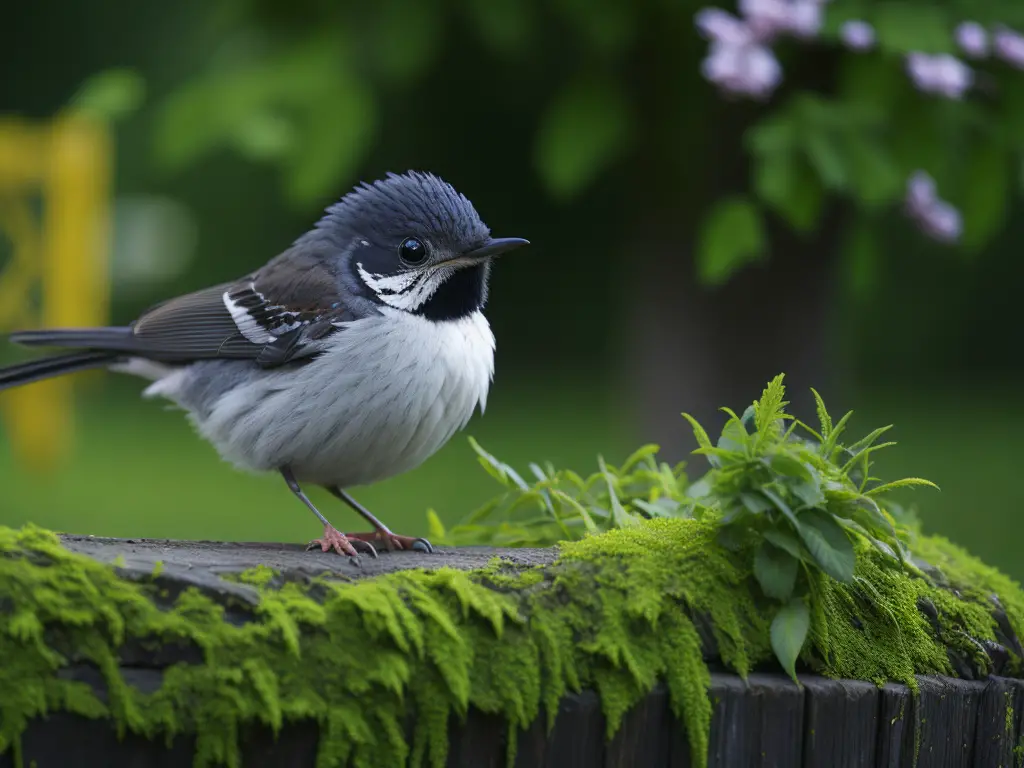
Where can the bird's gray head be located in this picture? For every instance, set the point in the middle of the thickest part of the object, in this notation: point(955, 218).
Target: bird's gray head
point(412, 242)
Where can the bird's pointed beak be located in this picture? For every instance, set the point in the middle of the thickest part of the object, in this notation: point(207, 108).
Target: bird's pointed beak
point(496, 246)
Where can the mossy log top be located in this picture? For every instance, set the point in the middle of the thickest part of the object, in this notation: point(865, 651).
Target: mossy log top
point(207, 641)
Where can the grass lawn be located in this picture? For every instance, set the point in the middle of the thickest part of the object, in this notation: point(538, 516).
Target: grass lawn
point(139, 470)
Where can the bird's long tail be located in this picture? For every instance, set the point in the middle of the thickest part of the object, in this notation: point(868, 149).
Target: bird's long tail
point(99, 347)
point(55, 365)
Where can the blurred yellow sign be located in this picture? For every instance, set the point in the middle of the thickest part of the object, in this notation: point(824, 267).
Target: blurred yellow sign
point(55, 213)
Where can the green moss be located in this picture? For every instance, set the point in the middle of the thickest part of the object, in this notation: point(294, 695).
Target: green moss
point(616, 613)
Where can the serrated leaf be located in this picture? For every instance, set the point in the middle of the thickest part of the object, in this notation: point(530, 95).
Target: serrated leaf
point(789, 632)
point(775, 570)
point(824, 420)
point(828, 543)
point(906, 482)
point(582, 133)
point(732, 236)
point(770, 406)
point(698, 432)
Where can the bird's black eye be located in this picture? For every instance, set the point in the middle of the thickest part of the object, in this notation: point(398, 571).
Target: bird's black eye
point(412, 251)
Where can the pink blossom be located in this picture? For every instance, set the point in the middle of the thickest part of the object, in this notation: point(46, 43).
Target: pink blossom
point(940, 74)
point(935, 217)
point(972, 39)
point(752, 70)
point(767, 18)
point(805, 18)
point(857, 35)
point(722, 27)
point(1009, 46)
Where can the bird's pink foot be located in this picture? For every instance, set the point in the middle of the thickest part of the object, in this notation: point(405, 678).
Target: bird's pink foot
point(333, 539)
point(392, 541)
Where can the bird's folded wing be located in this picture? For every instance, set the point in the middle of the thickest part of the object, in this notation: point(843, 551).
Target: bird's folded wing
point(273, 316)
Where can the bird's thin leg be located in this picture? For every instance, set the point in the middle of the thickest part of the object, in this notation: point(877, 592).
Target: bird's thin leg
point(332, 538)
point(381, 532)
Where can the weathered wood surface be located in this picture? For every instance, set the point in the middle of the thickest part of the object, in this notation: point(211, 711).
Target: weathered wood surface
point(766, 720)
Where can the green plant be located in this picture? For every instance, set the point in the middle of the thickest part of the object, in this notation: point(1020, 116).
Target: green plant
point(795, 500)
point(786, 498)
point(561, 505)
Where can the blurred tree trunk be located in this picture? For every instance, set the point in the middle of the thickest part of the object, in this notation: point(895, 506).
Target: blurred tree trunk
point(697, 348)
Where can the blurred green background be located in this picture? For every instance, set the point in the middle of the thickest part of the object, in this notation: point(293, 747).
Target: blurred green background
point(687, 246)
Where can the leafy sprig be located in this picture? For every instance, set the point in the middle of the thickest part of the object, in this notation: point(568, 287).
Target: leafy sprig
point(797, 497)
point(561, 505)
point(790, 497)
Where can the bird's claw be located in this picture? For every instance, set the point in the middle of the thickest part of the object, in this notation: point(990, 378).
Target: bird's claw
point(393, 541)
point(335, 540)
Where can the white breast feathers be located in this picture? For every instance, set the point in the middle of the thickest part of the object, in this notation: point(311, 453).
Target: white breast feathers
point(384, 396)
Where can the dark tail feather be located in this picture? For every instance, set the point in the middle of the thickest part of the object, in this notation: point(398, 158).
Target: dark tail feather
point(76, 338)
point(56, 365)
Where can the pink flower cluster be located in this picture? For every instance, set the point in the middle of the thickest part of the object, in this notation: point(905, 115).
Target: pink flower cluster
point(935, 217)
point(947, 76)
point(1004, 43)
point(740, 59)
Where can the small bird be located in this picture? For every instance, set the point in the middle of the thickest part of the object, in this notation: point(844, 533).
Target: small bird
point(351, 357)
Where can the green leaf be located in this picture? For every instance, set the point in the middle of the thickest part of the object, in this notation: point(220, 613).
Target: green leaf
point(734, 437)
point(906, 482)
point(111, 94)
point(784, 540)
point(786, 184)
point(775, 570)
point(781, 505)
point(698, 431)
point(903, 27)
point(770, 406)
point(790, 467)
point(868, 82)
point(828, 544)
point(755, 502)
point(809, 491)
point(789, 631)
point(584, 131)
point(823, 418)
point(875, 177)
point(435, 528)
point(732, 236)
point(826, 158)
point(986, 194)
